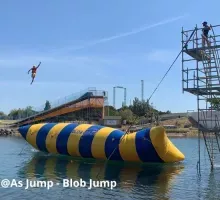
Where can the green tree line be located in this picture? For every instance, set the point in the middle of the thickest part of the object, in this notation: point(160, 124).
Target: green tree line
point(16, 114)
point(139, 111)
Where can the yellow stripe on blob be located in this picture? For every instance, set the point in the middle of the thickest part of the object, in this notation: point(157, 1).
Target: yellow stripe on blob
point(164, 147)
point(32, 134)
point(98, 143)
point(127, 148)
point(74, 138)
point(51, 139)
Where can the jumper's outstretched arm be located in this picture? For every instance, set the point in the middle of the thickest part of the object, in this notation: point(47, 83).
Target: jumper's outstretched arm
point(29, 70)
point(39, 64)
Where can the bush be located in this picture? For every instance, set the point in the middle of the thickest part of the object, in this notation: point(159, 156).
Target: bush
point(187, 125)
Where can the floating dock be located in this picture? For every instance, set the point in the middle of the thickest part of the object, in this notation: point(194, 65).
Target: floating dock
point(100, 142)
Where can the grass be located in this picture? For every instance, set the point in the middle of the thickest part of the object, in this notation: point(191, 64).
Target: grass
point(179, 122)
point(178, 130)
point(187, 132)
point(7, 121)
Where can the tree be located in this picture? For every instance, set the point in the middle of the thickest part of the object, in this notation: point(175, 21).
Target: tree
point(111, 111)
point(140, 108)
point(28, 111)
point(14, 114)
point(126, 114)
point(215, 103)
point(21, 113)
point(47, 106)
point(3, 115)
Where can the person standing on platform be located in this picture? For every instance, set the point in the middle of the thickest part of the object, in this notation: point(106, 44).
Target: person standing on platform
point(205, 32)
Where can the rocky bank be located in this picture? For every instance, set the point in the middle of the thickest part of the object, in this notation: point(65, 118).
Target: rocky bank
point(9, 132)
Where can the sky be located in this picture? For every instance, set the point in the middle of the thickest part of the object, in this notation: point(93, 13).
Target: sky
point(96, 43)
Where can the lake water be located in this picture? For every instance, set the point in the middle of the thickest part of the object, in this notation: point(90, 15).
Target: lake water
point(152, 181)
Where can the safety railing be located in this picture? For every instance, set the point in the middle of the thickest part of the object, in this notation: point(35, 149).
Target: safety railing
point(70, 98)
point(196, 40)
point(65, 100)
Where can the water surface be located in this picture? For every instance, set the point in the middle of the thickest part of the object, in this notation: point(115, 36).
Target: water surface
point(152, 181)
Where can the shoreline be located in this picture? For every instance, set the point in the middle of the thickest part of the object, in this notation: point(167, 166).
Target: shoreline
point(9, 132)
point(182, 135)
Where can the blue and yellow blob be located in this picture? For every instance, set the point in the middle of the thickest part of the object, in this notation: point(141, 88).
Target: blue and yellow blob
point(100, 142)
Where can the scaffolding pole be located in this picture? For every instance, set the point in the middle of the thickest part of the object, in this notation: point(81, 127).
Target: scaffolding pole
point(203, 81)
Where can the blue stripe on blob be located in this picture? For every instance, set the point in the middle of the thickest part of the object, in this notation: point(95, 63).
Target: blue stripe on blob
point(112, 144)
point(42, 135)
point(86, 139)
point(63, 137)
point(145, 148)
point(23, 130)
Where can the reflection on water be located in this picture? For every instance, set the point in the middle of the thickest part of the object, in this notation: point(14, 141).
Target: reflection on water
point(212, 191)
point(129, 177)
point(149, 181)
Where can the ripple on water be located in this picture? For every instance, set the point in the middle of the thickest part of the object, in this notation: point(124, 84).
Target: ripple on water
point(151, 181)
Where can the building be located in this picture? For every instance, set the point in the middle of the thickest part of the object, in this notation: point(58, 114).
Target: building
point(112, 121)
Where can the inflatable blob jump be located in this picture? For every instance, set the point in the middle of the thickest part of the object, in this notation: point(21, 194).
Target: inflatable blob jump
point(100, 142)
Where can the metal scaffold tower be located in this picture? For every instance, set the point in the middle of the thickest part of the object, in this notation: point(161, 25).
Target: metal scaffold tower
point(201, 77)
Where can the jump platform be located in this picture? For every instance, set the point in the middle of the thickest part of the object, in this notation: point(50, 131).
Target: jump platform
point(100, 142)
point(198, 53)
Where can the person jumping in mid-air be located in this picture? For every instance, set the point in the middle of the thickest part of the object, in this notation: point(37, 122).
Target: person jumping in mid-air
point(34, 71)
point(205, 32)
